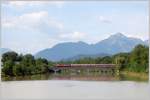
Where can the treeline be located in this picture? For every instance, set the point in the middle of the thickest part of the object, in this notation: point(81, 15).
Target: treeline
point(19, 65)
point(136, 61)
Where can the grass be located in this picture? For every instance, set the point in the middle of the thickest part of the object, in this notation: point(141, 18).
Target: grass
point(138, 75)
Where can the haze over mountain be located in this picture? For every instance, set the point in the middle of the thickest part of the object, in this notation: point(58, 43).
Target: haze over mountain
point(114, 44)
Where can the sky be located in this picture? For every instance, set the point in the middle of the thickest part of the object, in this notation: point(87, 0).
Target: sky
point(31, 26)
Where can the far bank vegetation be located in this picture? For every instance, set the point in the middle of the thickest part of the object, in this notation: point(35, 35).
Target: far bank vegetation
point(14, 64)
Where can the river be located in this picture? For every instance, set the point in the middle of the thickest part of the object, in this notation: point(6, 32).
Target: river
point(69, 89)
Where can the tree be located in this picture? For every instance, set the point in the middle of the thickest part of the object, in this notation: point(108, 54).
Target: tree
point(9, 56)
point(8, 67)
point(17, 70)
point(106, 60)
point(120, 61)
point(139, 58)
point(41, 65)
point(28, 64)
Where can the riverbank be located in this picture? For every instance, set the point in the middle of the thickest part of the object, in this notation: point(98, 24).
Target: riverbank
point(139, 76)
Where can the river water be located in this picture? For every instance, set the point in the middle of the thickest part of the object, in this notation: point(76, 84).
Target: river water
point(69, 89)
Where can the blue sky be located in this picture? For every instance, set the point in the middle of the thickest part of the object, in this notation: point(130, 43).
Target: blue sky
point(28, 27)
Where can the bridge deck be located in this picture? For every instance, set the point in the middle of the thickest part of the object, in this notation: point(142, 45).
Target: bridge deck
point(85, 65)
point(85, 68)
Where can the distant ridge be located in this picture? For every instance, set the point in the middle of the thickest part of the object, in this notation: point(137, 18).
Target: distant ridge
point(86, 56)
point(114, 44)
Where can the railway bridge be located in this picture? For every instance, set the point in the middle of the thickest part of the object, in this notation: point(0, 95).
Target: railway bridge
point(86, 68)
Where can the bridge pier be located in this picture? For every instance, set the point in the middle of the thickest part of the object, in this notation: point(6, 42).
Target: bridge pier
point(88, 71)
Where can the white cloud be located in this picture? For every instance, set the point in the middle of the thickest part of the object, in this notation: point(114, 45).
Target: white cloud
point(34, 21)
point(78, 35)
point(7, 24)
point(104, 19)
point(22, 4)
point(30, 32)
point(58, 4)
point(74, 36)
point(17, 3)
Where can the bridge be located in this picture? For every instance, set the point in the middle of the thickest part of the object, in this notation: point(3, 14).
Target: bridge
point(86, 68)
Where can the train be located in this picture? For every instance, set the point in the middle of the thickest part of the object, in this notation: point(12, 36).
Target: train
point(85, 65)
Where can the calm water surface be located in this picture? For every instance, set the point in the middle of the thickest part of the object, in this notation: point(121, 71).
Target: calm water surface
point(85, 87)
point(65, 89)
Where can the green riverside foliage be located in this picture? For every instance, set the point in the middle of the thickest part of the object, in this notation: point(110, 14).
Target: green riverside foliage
point(20, 65)
point(136, 60)
point(139, 59)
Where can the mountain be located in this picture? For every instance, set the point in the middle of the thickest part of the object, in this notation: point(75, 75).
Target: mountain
point(147, 42)
point(85, 56)
point(64, 51)
point(117, 43)
point(4, 50)
point(114, 44)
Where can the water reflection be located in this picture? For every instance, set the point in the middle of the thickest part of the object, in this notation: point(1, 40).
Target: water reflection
point(75, 76)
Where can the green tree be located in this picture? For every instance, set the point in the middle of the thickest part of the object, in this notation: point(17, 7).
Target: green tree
point(27, 64)
point(120, 61)
point(17, 70)
point(9, 56)
point(139, 58)
point(41, 65)
point(8, 67)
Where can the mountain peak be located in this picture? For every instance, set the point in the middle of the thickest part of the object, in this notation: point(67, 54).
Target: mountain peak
point(81, 42)
point(118, 35)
